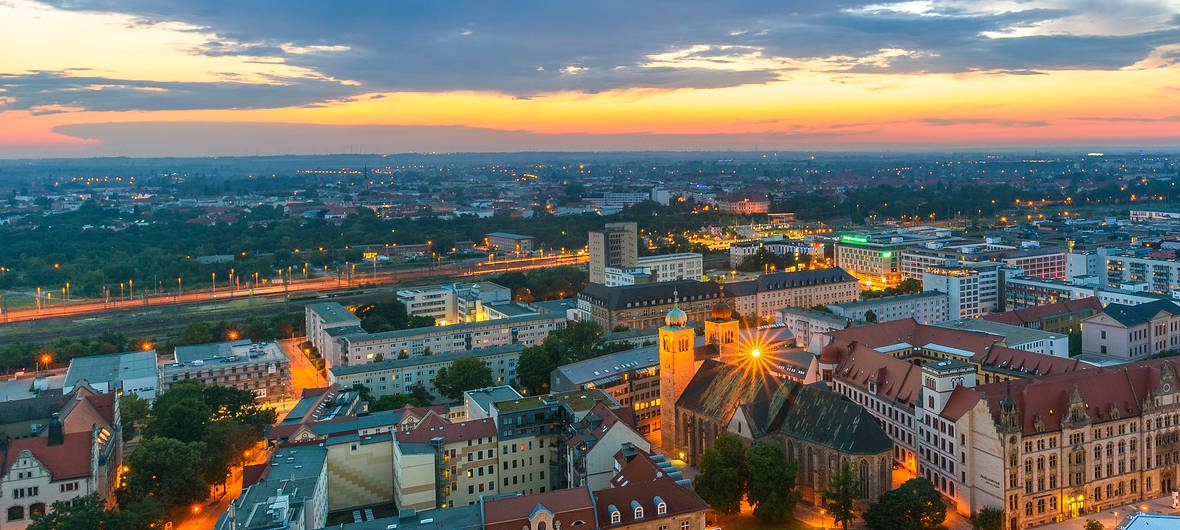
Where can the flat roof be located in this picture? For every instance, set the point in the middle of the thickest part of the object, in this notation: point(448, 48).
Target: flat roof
point(390, 364)
point(509, 235)
point(112, 367)
point(577, 400)
point(293, 471)
point(332, 312)
point(466, 517)
point(887, 299)
point(511, 309)
point(203, 352)
point(411, 332)
point(1013, 334)
point(609, 365)
point(484, 397)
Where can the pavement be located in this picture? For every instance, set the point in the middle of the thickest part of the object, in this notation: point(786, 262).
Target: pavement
point(1110, 517)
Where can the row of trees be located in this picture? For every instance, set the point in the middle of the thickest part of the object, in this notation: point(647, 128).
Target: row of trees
point(543, 284)
point(765, 477)
point(192, 436)
point(764, 260)
point(906, 286)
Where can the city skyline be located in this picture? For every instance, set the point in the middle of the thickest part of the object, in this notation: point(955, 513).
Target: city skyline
point(97, 78)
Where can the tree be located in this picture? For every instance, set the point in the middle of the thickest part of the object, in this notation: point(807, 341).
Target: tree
point(195, 333)
point(771, 483)
point(465, 373)
point(1092, 524)
point(533, 369)
point(916, 505)
point(419, 393)
point(167, 469)
point(83, 512)
point(133, 410)
point(841, 491)
point(393, 402)
point(723, 474)
point(989, 518)
point(871, 316)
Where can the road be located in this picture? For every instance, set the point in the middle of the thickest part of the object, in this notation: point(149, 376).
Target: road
point(205, 515)
point(303, 373)
point(447, 270)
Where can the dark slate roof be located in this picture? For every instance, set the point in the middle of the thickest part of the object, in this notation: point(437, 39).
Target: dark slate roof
point(719, 388)
point(788, 280)
point(820, 416)
point(643, 294)
point(1134, 315)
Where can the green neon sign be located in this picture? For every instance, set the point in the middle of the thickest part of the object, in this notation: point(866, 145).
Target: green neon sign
point(887, 254)
point(853, 239)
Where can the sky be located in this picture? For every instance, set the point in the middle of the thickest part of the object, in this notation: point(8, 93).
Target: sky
point(215, 77)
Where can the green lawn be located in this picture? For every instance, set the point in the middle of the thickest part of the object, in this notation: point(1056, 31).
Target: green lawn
point(748, 522)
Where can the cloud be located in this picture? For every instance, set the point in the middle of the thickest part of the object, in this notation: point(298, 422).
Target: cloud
point(949, 122)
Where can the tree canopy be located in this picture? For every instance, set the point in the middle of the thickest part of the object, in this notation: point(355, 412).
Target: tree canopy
point(465, 373)
point(771, 482)
point(578, 341)
point(839, 496)
point(916, 505)
point(723, 474)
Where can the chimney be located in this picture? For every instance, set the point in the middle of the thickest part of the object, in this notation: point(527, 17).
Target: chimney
point(55, 434)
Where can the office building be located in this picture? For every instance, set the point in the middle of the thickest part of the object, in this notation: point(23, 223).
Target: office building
point(455, 303)
point(972, 289)
point(261, 368)
point(659, 268)
point(616, 245)
point(926, 307)
point(1021, 292)
point(875, 258)
point(1161, 276)
point(398, 376)
point(764, 296)
point(117, 373)
point(510, 243)
point(643, 306)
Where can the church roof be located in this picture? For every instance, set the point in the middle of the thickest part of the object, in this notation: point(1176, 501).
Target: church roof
point(719, 388)
point(818, 415)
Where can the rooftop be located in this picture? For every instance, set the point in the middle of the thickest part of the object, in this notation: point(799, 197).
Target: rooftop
point(391, 364)
point(112, 367)
point(484, 397)
point(332, 312)
point(286, 483)
point(601, 370)
point(852, 306)
point(467, 517)
point(647, 294)
point(788, 280)
point(1013, 335)
point(818, 415)
point(453, 328)
point(1135, 315)
point(578, 400)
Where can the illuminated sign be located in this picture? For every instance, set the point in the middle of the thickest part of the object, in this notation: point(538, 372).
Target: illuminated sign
point(887, 254)
point(370, 255)
point(853, 239)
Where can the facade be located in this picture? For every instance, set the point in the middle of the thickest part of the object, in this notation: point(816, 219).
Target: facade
point(972, 289)
point(527, 329)
point(658, 268)
point(1162, 276)
point(744, 204)
point(1019, 337)
point(1046, 263)
point(1065, 316)
point(360, 470)
point(324, 322)
point(292, 493)
point(510, 243)
point(592, 443)
point(630, 377)
point(810, 327)
point(117, 373)
point(616, 245)
point(261, 368)
point(462, 460)
point(1130, 332)
point(768, 293)
point(738, 252)
point(926, 307)
point(454, 303)
point(1021, 292)
point(818, 429)
point(397, 376)
point(648, 493)
point(876, 257)
point(643, 306)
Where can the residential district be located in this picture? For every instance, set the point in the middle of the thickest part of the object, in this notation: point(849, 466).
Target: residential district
point(1026, 371)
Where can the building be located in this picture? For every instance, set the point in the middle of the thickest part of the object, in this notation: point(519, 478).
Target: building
point(648, 493)
point(478, 402)
point(738, 252)
point(876, 257)
point(643, 306)
point(324, 322)
point(440, 464)
point(454, 303)
point(360, 469)
point(768, 293)
point(616, 245)
point(398, 376)
point(291, 493)
point(117, 373)
point(1065, 316)
point(1019, 337)
point(659, 268)
point(1130, 332)
point(926, 307)
point(1162, 276)
point(817, 427)
point(744, 204)
point(526, 329)
point(809, 327)
point(1021, 292)
point(1048, 263)
point(73, 449)
point(568, 508)
point(972, 289)
point(617, 198)
point(261, 368)
point(592, 443)
point(510, 243)
point(630, 377)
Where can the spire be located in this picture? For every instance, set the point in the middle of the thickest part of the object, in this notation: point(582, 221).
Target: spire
point(675, 297)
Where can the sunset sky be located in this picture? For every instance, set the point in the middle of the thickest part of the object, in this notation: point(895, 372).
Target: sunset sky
point(213, 77)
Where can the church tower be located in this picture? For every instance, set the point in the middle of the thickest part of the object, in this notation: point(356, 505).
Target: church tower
point(677, 367)
point(721, 329)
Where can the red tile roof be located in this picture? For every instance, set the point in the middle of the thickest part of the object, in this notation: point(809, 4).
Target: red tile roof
point(567, 506)
point(1031, 363)
point(433, 426)
point(961, 400)
point(71, 459)
point(641, 482)
point(1028, 315)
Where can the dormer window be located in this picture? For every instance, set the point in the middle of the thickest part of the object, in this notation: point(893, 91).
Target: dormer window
point(637, 509)
point(661, 507)
point(615, 517)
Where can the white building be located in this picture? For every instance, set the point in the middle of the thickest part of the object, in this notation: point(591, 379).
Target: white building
point(877, 256)
point(118, 373)
point(398, 376)
point(527, 329)
point(1161, 276)
point(41, 470)
point(972, 288)
point(659, 268)
point(324, 322)
point(454, 303)
point(1017, 337)
point(810, 327)
point(926, 307)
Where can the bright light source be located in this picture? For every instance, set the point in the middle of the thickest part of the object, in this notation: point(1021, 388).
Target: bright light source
point(755, 352)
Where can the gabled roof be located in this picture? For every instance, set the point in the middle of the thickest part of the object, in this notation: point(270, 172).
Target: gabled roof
point(961, 400)
point(71, 459)
point(820, 416)
point(568, 506)
point(717, 388)
point(1030, 363)
point(644, 483)
point(435, 426)
point(887, 377)
point(1135, 315)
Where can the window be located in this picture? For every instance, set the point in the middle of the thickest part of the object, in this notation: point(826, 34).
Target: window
point(16, 513)
point(639, 512)
point(683, 525)
point(615, 517)
point(662, 507)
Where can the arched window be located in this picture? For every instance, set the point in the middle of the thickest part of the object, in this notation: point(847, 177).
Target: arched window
point(16, 513)
point(864, 479)
point(615, 516)
point(1028, 509)
point(661, 506)
point(639, 512)
point(37, 508)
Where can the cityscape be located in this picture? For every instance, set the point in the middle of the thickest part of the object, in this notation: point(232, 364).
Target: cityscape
point(695, 266)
